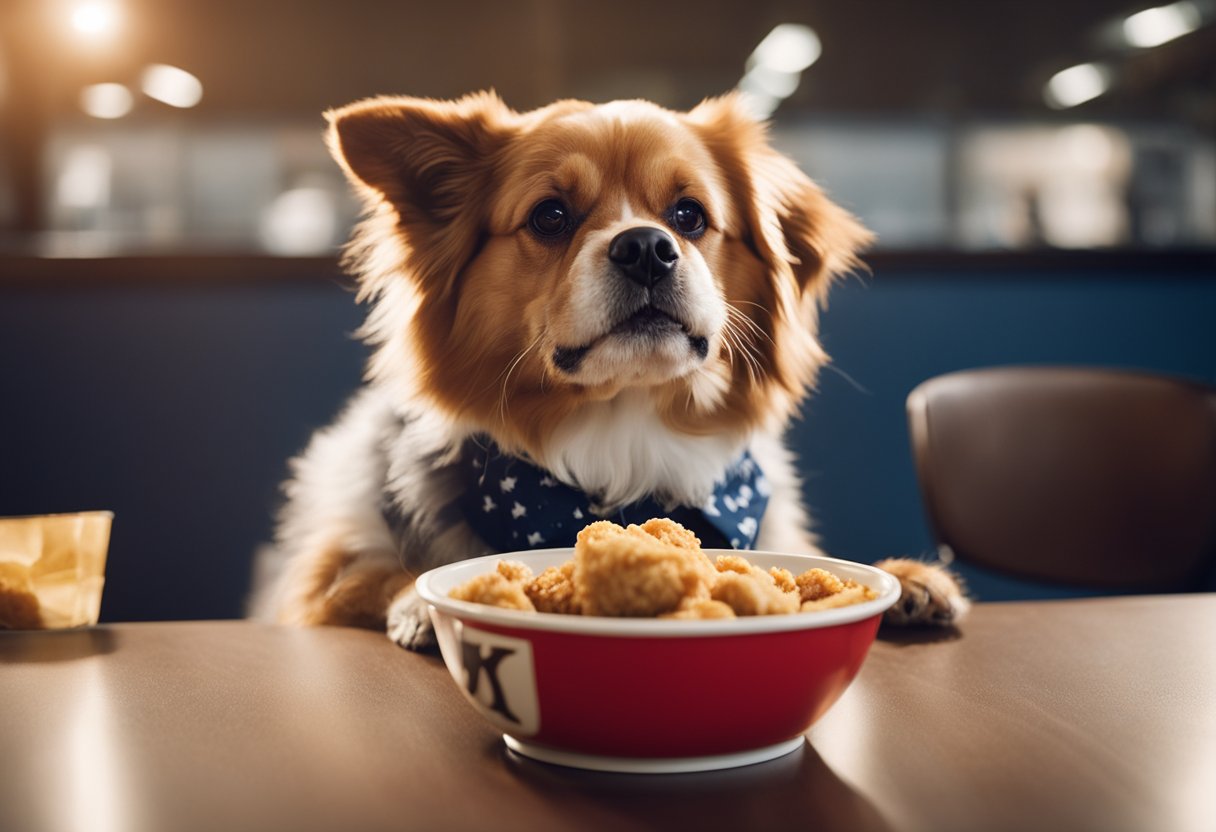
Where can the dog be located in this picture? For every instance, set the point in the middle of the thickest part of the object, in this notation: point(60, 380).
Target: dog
point(577, 312)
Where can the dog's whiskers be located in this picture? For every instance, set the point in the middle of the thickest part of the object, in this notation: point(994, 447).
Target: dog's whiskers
point(506, 378)
point(730, 352)
point(731, 332)
point(747, 345)
point(752, 325)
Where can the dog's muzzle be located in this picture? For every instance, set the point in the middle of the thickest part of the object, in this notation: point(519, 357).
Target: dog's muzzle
point(646, 257)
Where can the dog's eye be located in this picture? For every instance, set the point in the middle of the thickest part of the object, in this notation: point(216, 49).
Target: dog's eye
point(688, 217)
point(549, 219)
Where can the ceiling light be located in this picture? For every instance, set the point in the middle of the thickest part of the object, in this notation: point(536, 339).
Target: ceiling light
point(1076, 85)
point(1153, 27)
point(106, 100)
point(774, 69)
point(95, 18)
point(790, 47)
point(171, 85)
point(776, 84)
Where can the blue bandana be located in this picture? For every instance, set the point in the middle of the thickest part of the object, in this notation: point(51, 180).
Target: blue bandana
point(513, 504)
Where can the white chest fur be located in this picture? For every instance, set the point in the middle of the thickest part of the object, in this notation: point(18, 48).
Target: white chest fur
point(621, 449)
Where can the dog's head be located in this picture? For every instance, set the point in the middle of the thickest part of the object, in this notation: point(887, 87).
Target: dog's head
point(525, 265)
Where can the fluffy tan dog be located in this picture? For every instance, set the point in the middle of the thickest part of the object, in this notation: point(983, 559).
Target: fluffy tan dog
point(616, 303)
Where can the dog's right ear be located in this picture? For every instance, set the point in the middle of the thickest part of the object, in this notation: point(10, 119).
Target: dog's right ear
point(426, 157)
point(432, 161)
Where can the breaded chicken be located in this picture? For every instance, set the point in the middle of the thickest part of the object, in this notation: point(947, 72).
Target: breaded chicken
point(784, 579)
point(753, 593)
point(496, 590)
point(701, 610)
point(853, 593)
point(553, 590)
point(627, 572)
point(733, 563)
point(514, 571)
point(671, 532)
point(814, 584)
point(657, 569)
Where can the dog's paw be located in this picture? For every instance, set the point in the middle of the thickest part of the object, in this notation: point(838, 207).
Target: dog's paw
point(409, 622)
point(930, 594)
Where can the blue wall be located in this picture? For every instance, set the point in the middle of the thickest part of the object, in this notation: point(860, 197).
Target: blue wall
point(177, 405)
point(888, 333)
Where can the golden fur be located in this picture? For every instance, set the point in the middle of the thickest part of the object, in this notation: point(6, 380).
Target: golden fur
point(775, 241)
point(469, 306)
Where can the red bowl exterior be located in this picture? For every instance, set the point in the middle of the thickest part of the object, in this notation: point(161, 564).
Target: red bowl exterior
point(687, 697)
point(605, 689)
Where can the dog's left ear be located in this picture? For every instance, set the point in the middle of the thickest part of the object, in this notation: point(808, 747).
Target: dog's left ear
point(786, 218)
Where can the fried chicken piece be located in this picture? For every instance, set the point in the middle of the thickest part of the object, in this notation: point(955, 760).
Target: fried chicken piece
point(513, 570)
point(852, 593)
point(672, 533)
point(553, 590)
point(701, 610)
point(815, 584)
point(600, 530)
point(784, 579)
point(749, 590)
point(495, 590)
point(752, 593)
point(657, 569)
point(733, 563)
point(628, 572)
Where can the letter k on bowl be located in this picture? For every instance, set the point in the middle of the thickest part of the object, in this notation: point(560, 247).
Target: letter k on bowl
point(497, 674)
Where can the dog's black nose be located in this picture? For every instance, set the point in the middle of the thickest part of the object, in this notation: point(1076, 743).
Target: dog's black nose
point(645, 255)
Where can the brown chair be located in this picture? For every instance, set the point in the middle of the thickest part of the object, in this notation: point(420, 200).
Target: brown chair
point(1074, 476)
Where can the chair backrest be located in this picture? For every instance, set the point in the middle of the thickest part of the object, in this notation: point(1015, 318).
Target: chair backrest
point(1071, 475)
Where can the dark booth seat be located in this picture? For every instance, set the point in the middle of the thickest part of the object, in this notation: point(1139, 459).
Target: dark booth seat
point(1081, 476)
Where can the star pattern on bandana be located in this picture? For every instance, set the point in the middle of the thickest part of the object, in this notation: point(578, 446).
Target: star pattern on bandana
point(540, 507)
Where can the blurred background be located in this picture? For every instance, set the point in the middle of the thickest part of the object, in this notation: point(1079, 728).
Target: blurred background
point(173, 322)
point(183, 125)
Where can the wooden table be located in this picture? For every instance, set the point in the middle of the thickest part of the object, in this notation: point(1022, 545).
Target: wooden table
point(1076, 715)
